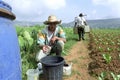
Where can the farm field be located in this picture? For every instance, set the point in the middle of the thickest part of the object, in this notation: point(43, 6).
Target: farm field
point(105, 51)
point(98, 54)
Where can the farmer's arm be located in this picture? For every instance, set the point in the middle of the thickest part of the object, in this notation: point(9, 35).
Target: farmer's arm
point(84, 21)
point(75, 22)
point(61, 36)
point(57, 38)
point(41, 39)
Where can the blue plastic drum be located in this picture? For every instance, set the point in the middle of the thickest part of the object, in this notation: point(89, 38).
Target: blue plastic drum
point(10, 61)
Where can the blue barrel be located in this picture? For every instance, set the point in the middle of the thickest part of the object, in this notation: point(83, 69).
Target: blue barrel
point(10, 60)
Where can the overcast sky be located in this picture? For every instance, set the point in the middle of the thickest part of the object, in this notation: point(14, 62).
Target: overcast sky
point(66, 10)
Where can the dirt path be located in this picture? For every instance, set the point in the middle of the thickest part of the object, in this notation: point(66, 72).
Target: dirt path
point(79, 56)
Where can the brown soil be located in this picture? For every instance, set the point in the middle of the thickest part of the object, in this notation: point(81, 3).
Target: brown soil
point(99, 65)
point(79, 56)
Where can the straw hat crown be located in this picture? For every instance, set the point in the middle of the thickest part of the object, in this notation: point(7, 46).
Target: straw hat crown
point(52, 19)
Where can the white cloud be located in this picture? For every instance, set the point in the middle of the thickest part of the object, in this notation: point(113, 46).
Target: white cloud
point(110, 3)
point(113, 5)
point(54, 4)
point(101, 2)
point(32, 9)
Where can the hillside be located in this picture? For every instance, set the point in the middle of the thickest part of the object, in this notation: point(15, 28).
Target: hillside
point(105, 23)
point(102, 23)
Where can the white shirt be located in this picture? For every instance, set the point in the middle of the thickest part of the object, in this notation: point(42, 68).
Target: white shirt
point(80, 21)
point(49, 35)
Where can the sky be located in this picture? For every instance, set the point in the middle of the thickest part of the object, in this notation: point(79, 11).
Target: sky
point(65, 10)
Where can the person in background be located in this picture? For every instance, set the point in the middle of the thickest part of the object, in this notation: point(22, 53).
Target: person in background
point(80, 23)
point(52, 37)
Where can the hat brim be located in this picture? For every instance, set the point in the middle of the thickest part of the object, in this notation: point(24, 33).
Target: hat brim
point(48, 22)
point(84, 15)
point(7, 14)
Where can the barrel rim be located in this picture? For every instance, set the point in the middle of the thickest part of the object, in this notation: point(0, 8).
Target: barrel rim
point(55, 64)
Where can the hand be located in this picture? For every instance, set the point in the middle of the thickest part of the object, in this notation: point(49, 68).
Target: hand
point(45, 48)
point(53, 39)
point(85, 23)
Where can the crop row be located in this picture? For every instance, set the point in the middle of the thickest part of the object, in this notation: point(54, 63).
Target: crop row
point(105, 52)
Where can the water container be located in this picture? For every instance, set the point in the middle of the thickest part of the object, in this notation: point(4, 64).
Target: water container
point(52, 67)
point(10, 64)
point(67, 69)
point(75, 30)
point(32, 74)
point(41, 54)
point(87, 28)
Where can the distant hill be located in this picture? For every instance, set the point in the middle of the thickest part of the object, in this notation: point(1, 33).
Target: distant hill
point(102, 23)
point(105, 23)
point(26, 23)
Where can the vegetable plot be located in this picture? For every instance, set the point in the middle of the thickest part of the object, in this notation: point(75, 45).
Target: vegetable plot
point(105, 50)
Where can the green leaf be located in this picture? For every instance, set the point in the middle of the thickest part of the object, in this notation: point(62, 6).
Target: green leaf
point(107, 57)
point(99, 78)
point(118, 76)
point(26, 35)
point(21, 41)
point(30, 42)
point(114, 76)
point(103, 74)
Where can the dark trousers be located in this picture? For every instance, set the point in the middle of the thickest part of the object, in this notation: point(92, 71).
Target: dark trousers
point(57, 48)
point(81, 33)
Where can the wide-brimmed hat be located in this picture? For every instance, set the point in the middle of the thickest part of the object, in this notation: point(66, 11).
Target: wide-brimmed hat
point(52, 19)
point(81, 14)
point(5, 11)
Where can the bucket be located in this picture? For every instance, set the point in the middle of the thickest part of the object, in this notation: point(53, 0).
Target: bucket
point(67, 69)
point(32, 74)
point(10, 61)
point(52, 67)
point(41, 54)
point(75, 30)
point(87, 28)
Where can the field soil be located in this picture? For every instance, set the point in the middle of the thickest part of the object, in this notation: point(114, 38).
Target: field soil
point(79, 56)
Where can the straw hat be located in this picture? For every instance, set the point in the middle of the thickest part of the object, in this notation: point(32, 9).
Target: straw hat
point(5, 11)
point(52, 19)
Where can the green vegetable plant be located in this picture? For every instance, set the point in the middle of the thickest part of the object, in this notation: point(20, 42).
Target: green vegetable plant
point(107, 57)
point(102, 76)
point(115, 77)
point(25, 41)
